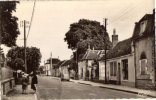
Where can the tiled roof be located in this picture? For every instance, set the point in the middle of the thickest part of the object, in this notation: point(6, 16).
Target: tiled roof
point(67, 62)
point(149, 30)
point(91, 54)
point(102, 54)
point(122, 48)
point(54, 60)
point(59, 64)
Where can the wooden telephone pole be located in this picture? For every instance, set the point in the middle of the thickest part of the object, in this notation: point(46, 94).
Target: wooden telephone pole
point(23, 24)
point(105, 25)
point(25, 52)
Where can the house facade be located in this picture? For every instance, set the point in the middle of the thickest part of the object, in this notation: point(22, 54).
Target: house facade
point(131, 62)
point(87, 67)
point(120, 64)
point(50, 66)
point(144, 43)
point(82, 69)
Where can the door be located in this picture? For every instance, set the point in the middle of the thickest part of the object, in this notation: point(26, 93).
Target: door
point(119, 74)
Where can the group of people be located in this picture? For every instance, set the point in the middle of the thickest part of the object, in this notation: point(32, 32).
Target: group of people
point(25, 82)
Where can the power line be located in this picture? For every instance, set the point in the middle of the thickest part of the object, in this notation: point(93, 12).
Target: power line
point(126, 11)
point(31, 19)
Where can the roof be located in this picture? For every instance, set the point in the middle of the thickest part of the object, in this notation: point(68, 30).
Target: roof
point(91, 54)
point(102, 53)
point(59, 64)
point(121, 49)
point(149, 30)
point(67, 62)
point(54, 60)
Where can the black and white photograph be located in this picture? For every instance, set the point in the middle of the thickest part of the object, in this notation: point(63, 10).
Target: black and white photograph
point(77, 49)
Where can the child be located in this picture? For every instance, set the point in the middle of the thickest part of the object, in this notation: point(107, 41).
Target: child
point(24, 83)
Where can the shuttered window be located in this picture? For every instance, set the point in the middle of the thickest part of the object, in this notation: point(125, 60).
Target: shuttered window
point(143, 67)
point(113, 68)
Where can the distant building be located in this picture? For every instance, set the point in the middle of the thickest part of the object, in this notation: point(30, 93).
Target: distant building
point(87, 67)
point(50, 66)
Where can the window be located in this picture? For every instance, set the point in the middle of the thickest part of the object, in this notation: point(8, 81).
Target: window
point(113, 68)
point(142, 27)
point(125, 69)
point(143, 67)
point(143, 63)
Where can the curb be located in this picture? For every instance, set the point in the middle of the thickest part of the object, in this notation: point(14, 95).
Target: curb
point(116, 89)
point(126, 91)
point(84, 83)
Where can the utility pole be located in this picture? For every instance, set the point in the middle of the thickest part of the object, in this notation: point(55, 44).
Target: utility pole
point(25, 40)
point(105, 22)
point(51, 63)
point(24, 25)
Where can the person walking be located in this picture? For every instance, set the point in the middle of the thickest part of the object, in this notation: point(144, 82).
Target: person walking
point(34, 81)
point(24, 83)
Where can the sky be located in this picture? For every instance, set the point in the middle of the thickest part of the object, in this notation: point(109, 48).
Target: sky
point(52, 19)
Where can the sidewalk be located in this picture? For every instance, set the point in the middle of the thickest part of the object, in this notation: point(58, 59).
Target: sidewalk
point(142, 92)
point(16, 94)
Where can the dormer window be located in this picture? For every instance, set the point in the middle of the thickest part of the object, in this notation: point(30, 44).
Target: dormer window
point(142, 27)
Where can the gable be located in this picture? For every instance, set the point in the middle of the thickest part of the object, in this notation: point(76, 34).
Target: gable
point(145, 27)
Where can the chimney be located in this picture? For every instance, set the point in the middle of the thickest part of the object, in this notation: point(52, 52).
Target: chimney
point(114, 38)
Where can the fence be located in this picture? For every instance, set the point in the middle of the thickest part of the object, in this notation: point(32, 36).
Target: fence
point(7, 80)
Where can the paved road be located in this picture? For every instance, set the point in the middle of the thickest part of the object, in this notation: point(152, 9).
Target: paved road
point(51, 88)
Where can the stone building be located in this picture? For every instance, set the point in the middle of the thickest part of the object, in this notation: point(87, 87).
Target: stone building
point(144, 40)
point(87, 67)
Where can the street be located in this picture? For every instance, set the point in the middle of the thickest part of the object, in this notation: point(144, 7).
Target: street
point(51, 88)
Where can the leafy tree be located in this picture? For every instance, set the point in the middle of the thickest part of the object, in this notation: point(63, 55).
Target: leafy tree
point(19, 64)
point(87, 32)
point(8, 23)
point(33, 57)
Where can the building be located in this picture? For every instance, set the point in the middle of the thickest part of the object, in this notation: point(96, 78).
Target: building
point(131, 62)
point(7, 78)
point(50, 66)
point(58, 69)
point(144, 43)
point(120, 62)
point(65, 73)
point(88, 68)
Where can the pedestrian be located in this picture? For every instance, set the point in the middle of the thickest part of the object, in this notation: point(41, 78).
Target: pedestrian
point(34, 81)
point(24, 83)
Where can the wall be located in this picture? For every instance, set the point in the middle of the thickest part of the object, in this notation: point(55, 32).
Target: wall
point(7, 80)
point(131, 70)
point(145, 45)
point(81, 67)
point(48, 69)
point(102, 70)
point(6, 73)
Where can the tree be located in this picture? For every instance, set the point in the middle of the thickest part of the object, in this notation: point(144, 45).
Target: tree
point(19, 64)
point(33, 56)
point(8, 23)
point(84, 33)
